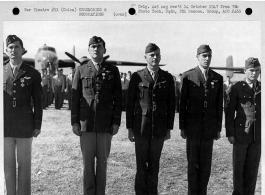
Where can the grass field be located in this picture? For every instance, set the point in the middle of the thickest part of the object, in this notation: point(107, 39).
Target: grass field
point(57, 162)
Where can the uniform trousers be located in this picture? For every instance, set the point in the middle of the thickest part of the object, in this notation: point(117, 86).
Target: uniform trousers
point(58, 95)
point(17, 150)
point(95, 149)
point(246, 158)
point(45, 95)
point(148, 152)
point(199, 155)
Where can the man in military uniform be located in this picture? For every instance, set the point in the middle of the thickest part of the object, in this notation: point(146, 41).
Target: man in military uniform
point(227, 88)
point(96, 114)
point(45, 86)
point(64, 89)
point(149, 118)
point(58, 89)
point(243, 129)
point(50, 89)
point(69, 81)
point(21, 84)
point(200, 118)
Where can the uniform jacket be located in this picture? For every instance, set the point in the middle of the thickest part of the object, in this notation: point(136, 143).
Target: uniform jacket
point(201, 104)
point(96, 97)
point(245, 126)
point(19, 118)
point(150, 105)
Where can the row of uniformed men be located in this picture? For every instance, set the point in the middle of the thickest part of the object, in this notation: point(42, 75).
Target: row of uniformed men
point(55, 86)
point(150, 113)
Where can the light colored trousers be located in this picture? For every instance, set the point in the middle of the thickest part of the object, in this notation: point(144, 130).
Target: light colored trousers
point(95, 149)
point(17, 150)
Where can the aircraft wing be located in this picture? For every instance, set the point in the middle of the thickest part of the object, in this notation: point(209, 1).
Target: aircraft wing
point(238, 70)
point(126, 63)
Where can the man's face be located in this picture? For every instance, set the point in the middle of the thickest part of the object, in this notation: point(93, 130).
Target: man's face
point(153, 58)
point(14, 50)
point(205, 59)
point(124, 75)
point(73, 71)
point(44, 71)
point(252, 74)
point(97, 51)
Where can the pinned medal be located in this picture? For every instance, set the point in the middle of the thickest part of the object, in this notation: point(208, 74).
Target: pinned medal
point(22, 85)
point(22, 80)
point(212, 83)
point(103, 75)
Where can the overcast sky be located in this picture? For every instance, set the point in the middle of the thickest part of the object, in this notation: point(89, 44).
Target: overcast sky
point(126, 41)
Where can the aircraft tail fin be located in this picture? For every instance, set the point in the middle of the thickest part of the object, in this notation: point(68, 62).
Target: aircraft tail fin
point(229, 64)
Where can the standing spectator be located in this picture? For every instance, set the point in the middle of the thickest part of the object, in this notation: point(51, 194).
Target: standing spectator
point(124, 86)
point(58, 88)
point(96, 114)
point(243, 128)
point(227, 89)
point(149, 118)
point(50, 89)
point(129, 75)
point(63, 93)
point(178, 86)
point(21, 84)
point(200, 118)
point(45, 87)
point(121, 75)
point(69, 81)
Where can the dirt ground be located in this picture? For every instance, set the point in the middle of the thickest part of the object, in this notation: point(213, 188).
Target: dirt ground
point(57, 162)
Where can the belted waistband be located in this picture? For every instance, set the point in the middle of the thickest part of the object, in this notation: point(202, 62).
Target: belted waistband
point(149, 106)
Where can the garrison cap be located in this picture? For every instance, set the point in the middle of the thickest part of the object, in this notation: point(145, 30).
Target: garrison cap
point(13, 38)
point(203, 49)
point(95, 40)
point(151, 47)
point(252, 63)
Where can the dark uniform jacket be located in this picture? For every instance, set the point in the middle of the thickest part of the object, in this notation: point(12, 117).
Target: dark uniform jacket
point(201, 104)
point(19, 118)
point(151, 105)
point(96, 97)
point(245, 126)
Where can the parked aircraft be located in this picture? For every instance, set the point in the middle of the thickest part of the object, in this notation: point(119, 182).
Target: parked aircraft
point(230, 70)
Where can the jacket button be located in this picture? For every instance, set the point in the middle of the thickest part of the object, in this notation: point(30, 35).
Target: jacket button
point(14, 91)
point(15, 84)
point(14, 98)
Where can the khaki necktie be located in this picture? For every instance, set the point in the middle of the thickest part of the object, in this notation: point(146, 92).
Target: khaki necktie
point(153, 74)
point(15, 71)
point(205, 75)
point(97, 66)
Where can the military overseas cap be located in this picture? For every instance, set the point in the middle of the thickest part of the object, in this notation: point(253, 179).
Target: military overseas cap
point(252, 63)
point(13, 38)
point(203, 49)
point(95, 40)
point(151, 47)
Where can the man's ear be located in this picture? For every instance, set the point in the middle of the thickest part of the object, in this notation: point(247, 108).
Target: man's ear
point(105, 50)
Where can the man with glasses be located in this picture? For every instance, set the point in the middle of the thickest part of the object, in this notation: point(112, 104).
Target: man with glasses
point(200, 118)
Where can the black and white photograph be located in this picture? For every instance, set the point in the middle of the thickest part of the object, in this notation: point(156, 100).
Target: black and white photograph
point(123, 107)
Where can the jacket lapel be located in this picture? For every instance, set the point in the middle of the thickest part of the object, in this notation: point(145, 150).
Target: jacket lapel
point(247, 88)
point(91, 67)
point(8, 71)
point(102, 68)
point(199, 75)
point(22, 71)
point(148, 76)
point(258, 88)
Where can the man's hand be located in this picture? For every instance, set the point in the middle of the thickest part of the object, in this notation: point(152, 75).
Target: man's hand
point(114, 129)
point(218, 135)
point(231, 139)
point(168, 136)
point(183, 134)
point(36, 132)
point(76, 129)
point(131, 135)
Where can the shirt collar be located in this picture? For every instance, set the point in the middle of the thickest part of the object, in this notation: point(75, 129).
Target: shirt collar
point(203, 70)
point(98, 63)
point(152, 70)
point(249, 83)
point(12, 66)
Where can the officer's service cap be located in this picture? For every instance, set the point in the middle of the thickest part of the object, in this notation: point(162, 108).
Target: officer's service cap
point(95, 40)
point(151, 47)
point(13, 38)
point(203, 49)
point(251, 63)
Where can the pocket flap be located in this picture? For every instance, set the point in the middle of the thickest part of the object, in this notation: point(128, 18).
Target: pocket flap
point(144, 84)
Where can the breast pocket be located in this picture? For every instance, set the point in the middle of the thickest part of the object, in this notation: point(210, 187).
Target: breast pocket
point(144, 90)
point(26, 82)
point(87, 82)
